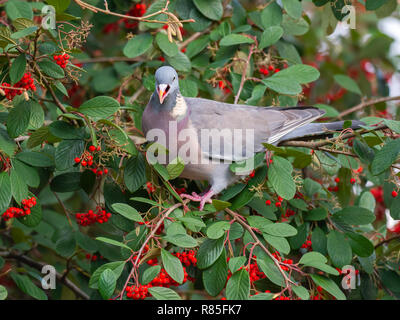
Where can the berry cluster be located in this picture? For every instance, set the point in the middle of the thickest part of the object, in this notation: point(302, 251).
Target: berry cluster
point(266, 70)
point(307, 245)
point(4, 164)
point(91, 217)
point(278, 203)
point(138, 10)
point(61, 60)
point(163, 279)
point(25, 83)
point(187, 257)
point(278, 257)
point(14, 212)
point(86, 160)
point(180, 190)
point(92, 257)
point(150, 187)
point(224, 87)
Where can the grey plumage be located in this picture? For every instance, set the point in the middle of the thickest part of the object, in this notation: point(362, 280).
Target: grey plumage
point(271, 125)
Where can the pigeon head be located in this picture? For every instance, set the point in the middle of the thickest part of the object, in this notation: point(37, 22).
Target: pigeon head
point(166, 82)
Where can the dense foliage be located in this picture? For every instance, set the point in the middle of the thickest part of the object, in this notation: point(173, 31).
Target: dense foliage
point(77, 193)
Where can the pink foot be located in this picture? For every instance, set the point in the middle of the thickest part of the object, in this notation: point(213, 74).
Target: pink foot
point(203, 199)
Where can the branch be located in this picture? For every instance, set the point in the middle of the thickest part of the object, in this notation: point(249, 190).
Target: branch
point(363, 105)
point(39, 265)
point(107, 59)
point(318, 144)
point(386, 241)
point(150, 236)
point(94, 9)
point(235, 216)
point(243, 79)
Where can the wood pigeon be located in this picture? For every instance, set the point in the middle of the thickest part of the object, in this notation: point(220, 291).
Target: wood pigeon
point(171, 114)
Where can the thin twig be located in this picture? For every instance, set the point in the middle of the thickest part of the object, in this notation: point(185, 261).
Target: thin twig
point(362, 105)
point(243, 79)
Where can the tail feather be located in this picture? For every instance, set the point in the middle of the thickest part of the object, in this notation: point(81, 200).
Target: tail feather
point(316, 130)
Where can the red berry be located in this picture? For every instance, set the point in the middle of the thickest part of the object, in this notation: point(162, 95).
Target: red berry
point(268, 202)
point(394, 194)
point(337, 180)
point(92, 148)
point(77, 160)
point(352, 181)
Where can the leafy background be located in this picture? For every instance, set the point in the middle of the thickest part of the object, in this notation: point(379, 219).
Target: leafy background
point(285, 232)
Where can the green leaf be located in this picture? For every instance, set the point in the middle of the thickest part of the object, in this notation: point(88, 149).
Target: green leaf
point(212, 9)
point(347, 83)
point(280, 229)
point(339, 249)
point(329, 286)
point(312, 257)
point(238, 286)
point(138, 45)
point(280, 176)
point(17, 69)
point(107, 283)
point(99, 107)
point(316, 214)
point(385, 157)
point(270, 269)
point(18, 119)
point(196, 46)
point(149, 274)
point(188, 88)
point(35, 158)
point(66, 152)
point(59, 5)
point(301, 292)
point(134, 173)
point(181, 240)
point(113, 242)
point(209, 252)
point(3, 293)
point(175, 168)
point(180, 62)
point(279, 243)
point(355, 215)
point(271, 15)
point(27, 286)
point(161, 293)
point(360, 245)
point(64, 130)
point(51, 69)
point(66, 182)
point(172, 265)
point(365, 153)
point(294, 27)
point(293, 8)
point(374, 4)
point(127, 211)
point(19, 9)
point(24, 32)
point(117, 267)
point(235, 39)
point(236, 262)
point(19, 188)
point(217, 229)
point(5, 190)
point(66, 244)
point(169, 48)
point(270, 36)
point(214, 277)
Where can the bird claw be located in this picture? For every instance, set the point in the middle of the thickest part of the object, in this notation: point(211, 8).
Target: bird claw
point(203, 199)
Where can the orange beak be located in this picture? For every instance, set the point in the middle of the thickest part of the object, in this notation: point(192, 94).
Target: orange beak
point(162, 90)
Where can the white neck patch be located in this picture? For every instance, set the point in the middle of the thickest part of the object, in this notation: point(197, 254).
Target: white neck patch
point(180, 108)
